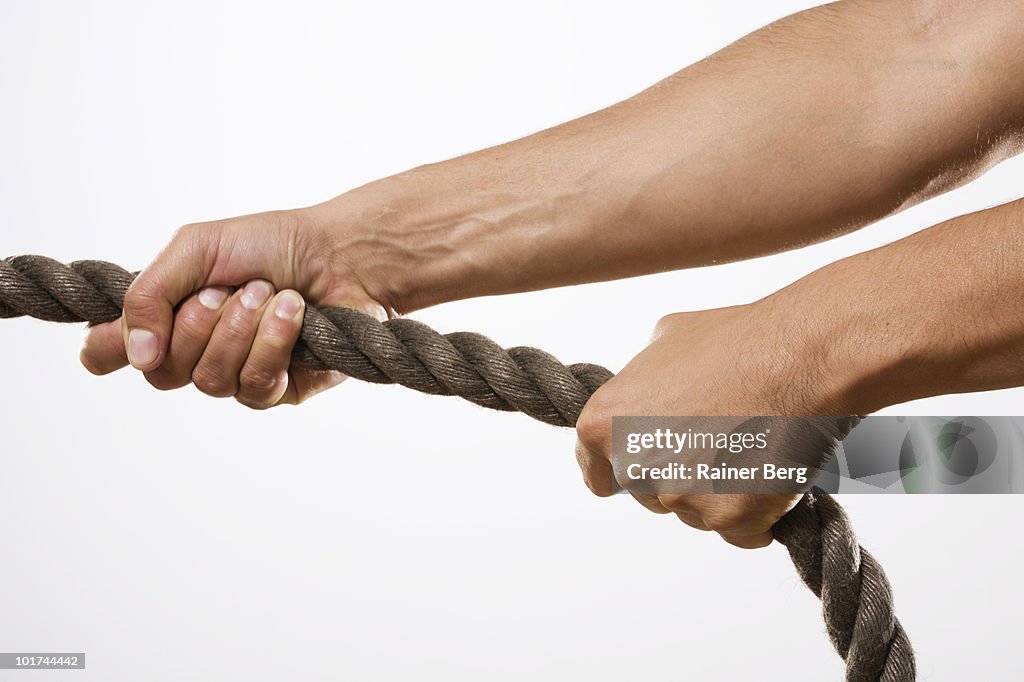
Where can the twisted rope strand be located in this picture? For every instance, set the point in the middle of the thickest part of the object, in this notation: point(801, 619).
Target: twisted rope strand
point(855, 594)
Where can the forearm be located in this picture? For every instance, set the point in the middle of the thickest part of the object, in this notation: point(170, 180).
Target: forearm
point(939, 312)
point(818, 124)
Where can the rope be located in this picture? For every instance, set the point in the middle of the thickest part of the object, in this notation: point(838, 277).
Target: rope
point(856, 598)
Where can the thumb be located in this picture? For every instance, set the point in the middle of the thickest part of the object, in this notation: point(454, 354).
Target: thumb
point(178, 270)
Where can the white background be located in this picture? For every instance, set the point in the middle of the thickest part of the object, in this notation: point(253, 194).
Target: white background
point(172, 536)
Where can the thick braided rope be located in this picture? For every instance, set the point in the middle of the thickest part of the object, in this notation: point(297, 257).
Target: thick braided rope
point(856, 598)
point(855, 593)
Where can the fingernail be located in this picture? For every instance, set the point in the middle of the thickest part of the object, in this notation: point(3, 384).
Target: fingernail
point(142, 347)
point(213, 297)
point(288, 305)
point(255, 294)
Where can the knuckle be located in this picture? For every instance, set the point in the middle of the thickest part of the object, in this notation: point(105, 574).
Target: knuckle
point(307, 384)
point(163, 380)
point(212, 384)
point(141, 297)
point(593, 428)
point(192, 323)
point(90, 364)
point(598, 479)
point(666, 323)
point(252, 403)
point(279, 338)
point(748, 541)
point(592, 485)
point(195, 237)
point(676, 503)
point(188, 233)
point(729, 518)
point(184, 233)
point(651, 503)
point(237, 327)
point(258, 379)
point(693, 520)
point(599, 489)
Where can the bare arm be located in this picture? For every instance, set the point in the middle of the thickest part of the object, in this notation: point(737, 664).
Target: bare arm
point(816, 125)
point(939, 312)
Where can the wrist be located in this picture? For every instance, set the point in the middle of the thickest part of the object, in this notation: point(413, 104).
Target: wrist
point(865, 343)
point(472, 226)
point(370, 236)
point(850, 359)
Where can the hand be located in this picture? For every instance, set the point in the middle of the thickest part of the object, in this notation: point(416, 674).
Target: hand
point(727, 362)
point(222, 306)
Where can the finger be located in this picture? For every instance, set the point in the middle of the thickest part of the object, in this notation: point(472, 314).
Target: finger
point(303, 384)
point(742, 520)
point(680, 503)
point(686, 508)
point(693, 520)
point(264, 377)
point(103, 348)
point(754, 541)
point(217, 371)
point(597, 472)
point(180, 269)
point(194, 323)
point(650, 502)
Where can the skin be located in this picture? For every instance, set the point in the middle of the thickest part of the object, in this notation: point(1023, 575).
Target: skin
point(813, 126)
point(837, 342)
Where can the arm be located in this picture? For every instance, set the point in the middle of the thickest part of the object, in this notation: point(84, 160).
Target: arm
point(818, 124)
point(939, 312)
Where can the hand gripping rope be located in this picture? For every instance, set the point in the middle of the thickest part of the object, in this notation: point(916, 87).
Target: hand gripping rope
point(856, 597)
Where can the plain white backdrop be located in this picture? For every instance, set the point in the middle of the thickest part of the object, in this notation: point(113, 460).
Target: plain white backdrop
point(171, 536)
